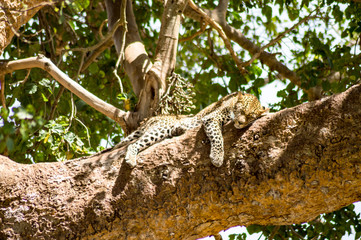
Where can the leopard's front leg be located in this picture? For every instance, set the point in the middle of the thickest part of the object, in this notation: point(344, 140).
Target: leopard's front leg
point(213, 130)
point(156, 134)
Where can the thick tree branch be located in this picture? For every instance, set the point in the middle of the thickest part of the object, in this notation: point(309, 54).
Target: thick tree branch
point(137, 62)
point(287, 167)
point(45, 64)
point(165, 58)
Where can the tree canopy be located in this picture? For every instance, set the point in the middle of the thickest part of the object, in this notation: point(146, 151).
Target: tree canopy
point(313, 47)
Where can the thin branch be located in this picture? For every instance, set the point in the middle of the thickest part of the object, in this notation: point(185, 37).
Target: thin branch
point(56, 101)
point(266, 58)
point(22, 81)
point(106, 41)
point(274, 232)
point(101, 28)
point(123, 22)
point(219, 29)
point(295, 233)
point(199, 32)
point(106, 44)
point(279, 37)
point(3, 100)
point(101, 42)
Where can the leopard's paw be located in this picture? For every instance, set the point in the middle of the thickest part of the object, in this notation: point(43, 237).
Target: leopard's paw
point(131, 157)
point(216, 159)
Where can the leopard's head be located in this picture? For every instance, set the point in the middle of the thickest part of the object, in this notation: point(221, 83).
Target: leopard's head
point(247, 109)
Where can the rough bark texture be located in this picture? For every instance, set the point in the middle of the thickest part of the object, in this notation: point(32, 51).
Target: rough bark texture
point(285, 168)
point(15, 13)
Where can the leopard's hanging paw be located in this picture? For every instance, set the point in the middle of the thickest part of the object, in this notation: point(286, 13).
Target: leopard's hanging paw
point(131, 156)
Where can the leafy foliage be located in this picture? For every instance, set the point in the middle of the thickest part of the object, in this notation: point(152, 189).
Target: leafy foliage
point(327, 226)
point(46, 123)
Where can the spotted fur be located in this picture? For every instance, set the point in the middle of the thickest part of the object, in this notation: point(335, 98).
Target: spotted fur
point(239, 107)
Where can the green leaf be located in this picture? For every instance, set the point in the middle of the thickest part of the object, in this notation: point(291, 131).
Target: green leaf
point(30, 88)
point(10, 144)
point(23, 114)
point(45, 83)
point(267, 11)
point(326, 85)
point(93, 68)
point(45, 99)
point(254, 229)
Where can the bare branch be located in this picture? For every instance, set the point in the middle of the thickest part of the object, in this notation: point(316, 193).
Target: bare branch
point(279, 37)
point(2, 82)
point(137, 62)
point(199, 32)
point(121, 53)
point(265, 57)
point(216, 26)
point(96, 52)
point(45, 64)
point(101, 42)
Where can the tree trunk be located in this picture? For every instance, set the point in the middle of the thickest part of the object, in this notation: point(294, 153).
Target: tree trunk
point(287, 167)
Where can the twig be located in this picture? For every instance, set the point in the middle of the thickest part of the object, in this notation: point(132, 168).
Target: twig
point(199, 32)
point(56, 101)
point(101, 42)
point(123, 22)
point(101, 28)
point(98, 48)
point(274, 232)
point(295, 233)
point(22, 81)
point(278, 38)
point(219, 29)
point(86, 129)
point(2, 81)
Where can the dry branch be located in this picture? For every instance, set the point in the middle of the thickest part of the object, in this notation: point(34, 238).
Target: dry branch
point(279, 38)
point(218, 15)
point(2, 93)
point(221, 33)
point(45, 64)
point(287, 167)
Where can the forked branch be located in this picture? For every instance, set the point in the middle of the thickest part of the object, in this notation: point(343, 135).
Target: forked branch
point(222, 34)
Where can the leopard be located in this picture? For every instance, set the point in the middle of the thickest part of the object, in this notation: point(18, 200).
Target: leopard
point(241, 108)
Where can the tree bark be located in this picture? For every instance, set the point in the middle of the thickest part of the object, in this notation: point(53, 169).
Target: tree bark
point(15, 13)
point(287, 167)
point(148, 80)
